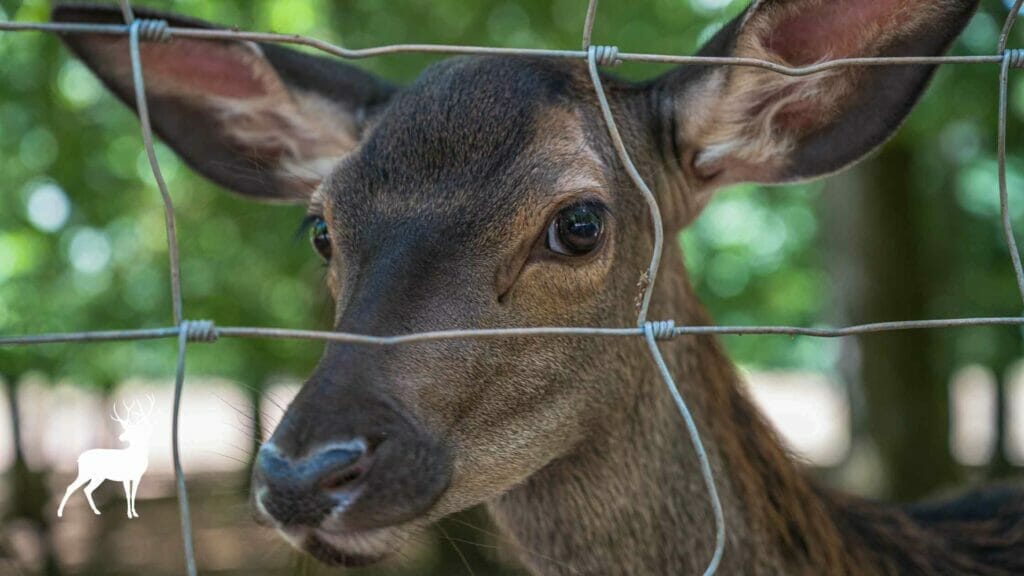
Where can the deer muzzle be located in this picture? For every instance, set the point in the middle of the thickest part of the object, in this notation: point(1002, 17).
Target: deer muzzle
point(344, 474)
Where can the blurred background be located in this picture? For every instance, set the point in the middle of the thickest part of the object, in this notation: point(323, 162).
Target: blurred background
point(912, 233)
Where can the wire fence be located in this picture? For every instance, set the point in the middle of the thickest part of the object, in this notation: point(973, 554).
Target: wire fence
point(187, 331)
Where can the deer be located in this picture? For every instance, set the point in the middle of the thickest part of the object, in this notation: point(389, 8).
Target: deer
point(487, 193)
point(126, 465)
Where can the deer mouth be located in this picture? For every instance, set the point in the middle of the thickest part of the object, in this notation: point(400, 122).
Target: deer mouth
point(333, 542)
point(347, 548)
point(350, 502)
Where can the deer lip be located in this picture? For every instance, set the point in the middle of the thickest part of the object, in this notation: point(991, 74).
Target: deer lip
point(330, 554)
point(349, 548)
point(334, 544)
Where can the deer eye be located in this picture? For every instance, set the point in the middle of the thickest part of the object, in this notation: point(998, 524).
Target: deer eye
point(320, 238)
point(577, 230)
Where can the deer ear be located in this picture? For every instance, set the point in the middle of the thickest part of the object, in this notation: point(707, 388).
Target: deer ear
point(750, 124)
point(261, 120)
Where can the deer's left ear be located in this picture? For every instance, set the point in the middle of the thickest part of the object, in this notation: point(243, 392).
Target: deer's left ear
point(259, 119)
point(749, 124)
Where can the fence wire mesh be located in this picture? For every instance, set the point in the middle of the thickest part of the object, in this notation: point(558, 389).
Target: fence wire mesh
point(186, 331)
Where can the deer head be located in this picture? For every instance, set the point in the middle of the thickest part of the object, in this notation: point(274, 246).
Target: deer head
point(487, 194)
point(135, 424)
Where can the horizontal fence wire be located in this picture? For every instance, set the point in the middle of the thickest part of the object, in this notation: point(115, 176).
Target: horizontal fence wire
point(451, 49)
point(185, 331)
point(531, 332)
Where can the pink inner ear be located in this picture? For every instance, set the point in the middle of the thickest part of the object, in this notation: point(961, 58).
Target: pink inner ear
point(210, 68)
point(196, 68)
point(834, 29)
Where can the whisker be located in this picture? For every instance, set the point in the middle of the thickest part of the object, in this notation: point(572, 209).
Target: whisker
point(246, 414)
point(510, 542)
point(246, 452)
point(262, 393)
point(242, 430)
point(275, 400)
point(240, 461)
point(457, 549)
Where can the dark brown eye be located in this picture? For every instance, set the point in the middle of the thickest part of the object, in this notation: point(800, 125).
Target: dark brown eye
point(321, 238)
point(577, 230)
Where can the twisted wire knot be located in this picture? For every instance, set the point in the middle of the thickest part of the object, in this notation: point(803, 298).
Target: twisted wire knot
point(605, 55)
point(152, 30)
point(661, 330)
point(1015, 57)
point(199, 330)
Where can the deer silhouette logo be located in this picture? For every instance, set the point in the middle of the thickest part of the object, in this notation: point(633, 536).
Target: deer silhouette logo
point(126, 465)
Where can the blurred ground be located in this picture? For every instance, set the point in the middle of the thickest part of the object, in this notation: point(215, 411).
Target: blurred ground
point(228, 542)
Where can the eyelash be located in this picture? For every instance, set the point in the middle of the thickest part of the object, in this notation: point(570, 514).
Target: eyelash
point(302, 235)
point(307, 223)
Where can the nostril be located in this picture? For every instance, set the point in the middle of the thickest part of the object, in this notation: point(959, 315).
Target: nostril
point(339, 479)
point(330, 468)
point(301, 491)
point(271, 464)
point(340, 465)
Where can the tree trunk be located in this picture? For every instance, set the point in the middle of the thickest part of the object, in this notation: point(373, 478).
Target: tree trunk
point(903, 375)
point(30, 492)
point(1006, 357)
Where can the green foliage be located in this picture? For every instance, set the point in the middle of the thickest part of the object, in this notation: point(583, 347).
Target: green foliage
point(81, 229)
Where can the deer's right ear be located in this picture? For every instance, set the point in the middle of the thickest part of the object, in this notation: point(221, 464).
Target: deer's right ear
point(747, 124)
point(261, 120)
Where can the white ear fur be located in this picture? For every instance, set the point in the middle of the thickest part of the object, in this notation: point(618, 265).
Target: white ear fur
point(263, 121)
point(306, 134)
point(302, 132)
point(751, 120)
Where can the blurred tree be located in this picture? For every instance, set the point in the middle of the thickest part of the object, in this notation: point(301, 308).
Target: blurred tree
point(904, 374)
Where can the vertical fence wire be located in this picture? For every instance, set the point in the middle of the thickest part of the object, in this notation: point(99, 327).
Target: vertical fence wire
point(608, 55)
point(187, 331)
point(1011, 18)
point(142, 107)
point(1004, 196)
point(1010, 58)
point(647, 285)
point(138, 80)
point(179, 473)
point(588, 23)
point(126, 12)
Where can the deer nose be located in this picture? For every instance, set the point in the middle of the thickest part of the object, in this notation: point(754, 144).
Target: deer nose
point(304, 490)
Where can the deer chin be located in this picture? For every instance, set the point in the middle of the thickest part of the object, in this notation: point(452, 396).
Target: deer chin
point(348, 548)
point(335, 543)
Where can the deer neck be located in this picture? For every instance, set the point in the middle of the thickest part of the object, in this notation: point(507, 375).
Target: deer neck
point(632, 500)
point(136, 447)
